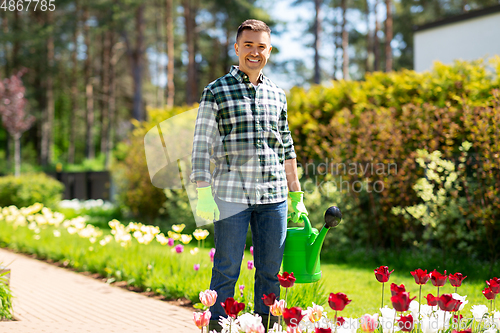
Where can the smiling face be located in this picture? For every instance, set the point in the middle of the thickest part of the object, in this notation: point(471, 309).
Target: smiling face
point(253, 48)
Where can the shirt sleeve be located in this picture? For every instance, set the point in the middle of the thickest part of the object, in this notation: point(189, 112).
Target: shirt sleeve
point(285, 131)
point(204, 135)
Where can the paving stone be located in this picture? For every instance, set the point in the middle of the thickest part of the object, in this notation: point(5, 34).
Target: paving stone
point(52, 299)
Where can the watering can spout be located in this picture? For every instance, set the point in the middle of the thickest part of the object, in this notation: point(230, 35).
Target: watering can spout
point(333, 217)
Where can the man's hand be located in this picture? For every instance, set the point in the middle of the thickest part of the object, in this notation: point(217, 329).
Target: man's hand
point(297, 205)
point(206, 207)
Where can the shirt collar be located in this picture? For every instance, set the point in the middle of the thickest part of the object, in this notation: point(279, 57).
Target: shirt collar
point(241, 76)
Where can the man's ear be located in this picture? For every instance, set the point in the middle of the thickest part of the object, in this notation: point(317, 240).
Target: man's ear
point(236, 48)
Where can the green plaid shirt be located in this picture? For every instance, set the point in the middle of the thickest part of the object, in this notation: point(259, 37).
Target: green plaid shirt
point(244, 131)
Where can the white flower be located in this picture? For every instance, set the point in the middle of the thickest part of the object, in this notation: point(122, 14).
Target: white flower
point(426, 310)
point(478, 311)
point(461, 299)
point(229, 325)
point(430, 324)
point(496, 319)
point(387, 319)
point(492, 329)
point(350, 325)
point(443, 318)
point(250, 323)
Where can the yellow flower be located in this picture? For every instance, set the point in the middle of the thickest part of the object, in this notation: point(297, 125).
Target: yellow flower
point(173, 235)
point(185, 239)
point(200, 234)
point(194, 251)
point(178, 227)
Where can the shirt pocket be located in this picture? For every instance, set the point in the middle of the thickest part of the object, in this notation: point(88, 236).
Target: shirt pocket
point(271, 117)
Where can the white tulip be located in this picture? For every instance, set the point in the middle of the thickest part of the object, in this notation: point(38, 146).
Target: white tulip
point(478, 311)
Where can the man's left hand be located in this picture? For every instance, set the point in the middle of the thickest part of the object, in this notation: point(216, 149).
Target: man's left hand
point(297, 205)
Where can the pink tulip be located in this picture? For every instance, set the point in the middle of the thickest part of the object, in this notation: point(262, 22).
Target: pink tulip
point(255, 327)
point(242, 287)
point(201, 319)
point(170, 242)
point(251, 250)
point(208, 297)
point(196, 267)
point(277, 308)
point(179, 248)
point(212, 253)
point(250, 264)
point(369, 323)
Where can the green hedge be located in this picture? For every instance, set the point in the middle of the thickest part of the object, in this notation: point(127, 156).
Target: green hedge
point(28, 189)
point(366, 135)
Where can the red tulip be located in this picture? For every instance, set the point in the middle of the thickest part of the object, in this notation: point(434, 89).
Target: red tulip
point(467, 330)
point(338, 301)
point(322, 330)
point(340, 321)
point(457, 318)
point(286, 280)
point(446, 302)
point(293, 316)
point(269, 299)
point(421, 276)
point(405, 323)
point(431, 300)
point(395, 289)
point(438, 279)
point(494, 285)
point(488, 293)
point(456, 279)
point(232, 307)
point(401, 301)
point(382, 274)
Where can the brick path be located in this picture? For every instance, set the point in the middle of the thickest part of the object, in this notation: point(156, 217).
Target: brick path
point(52, 299)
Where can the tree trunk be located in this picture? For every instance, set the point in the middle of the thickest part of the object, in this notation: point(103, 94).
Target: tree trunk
point(227, 48)
point(159, 68)
point(317, 31)
point(191, 84)
point(376, 45)
point(137, 54)
point(5, 47)
point(48, 116)
point(17, 154)
point(335, 41)
point(388, 36)
point(106, 60)
point(74, 89)
point(89, 93)
point(213, 72)
point(369, 48)
point(16, 47)
point(111, 100)
point(345, 42)
point(170, 52)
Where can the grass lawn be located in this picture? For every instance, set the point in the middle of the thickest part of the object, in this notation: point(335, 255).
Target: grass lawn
point(156, 267)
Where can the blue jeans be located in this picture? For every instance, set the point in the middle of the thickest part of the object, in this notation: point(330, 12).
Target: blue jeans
point(268, 225)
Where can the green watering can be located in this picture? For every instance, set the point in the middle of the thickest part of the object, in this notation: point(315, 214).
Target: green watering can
point(303, 246)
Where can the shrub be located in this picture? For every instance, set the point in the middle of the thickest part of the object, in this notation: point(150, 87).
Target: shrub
point(368, 133)
point(136, 193)
point(28, 189)
point(5, 298)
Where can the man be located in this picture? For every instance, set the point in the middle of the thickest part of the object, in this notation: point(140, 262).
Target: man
point(242, 127)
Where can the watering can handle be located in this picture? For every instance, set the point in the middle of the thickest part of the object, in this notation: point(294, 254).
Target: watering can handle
point(307, 223)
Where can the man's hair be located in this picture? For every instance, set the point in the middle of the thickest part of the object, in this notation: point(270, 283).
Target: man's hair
point(253, 25)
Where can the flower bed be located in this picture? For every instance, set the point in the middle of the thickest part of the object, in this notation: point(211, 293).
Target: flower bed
point(441, 313)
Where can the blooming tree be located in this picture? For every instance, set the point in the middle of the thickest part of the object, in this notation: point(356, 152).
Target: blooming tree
point(14, 119)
